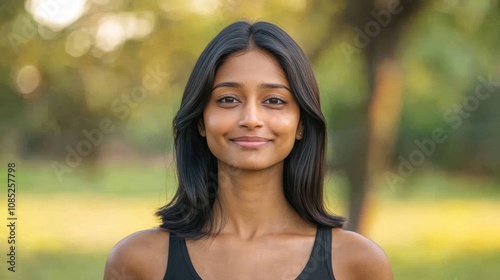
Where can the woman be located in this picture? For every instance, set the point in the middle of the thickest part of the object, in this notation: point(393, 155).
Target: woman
point(250, 149)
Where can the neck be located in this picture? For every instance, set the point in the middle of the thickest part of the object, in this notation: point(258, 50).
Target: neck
point(252, 203)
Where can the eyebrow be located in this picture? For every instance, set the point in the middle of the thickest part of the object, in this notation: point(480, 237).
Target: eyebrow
point(262, 86)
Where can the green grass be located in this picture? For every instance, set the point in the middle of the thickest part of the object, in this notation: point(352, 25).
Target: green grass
point(412, 264)
point(126, 179)
point(136, 179)
point(58, 266)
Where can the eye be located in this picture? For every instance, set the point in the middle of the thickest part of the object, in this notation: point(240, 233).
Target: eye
point(227, 100)
point(275, 101)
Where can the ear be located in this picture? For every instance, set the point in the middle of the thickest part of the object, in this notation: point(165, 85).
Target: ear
point(300, 131)
point(201, 127)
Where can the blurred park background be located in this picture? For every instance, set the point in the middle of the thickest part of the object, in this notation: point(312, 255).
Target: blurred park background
point(410, 89)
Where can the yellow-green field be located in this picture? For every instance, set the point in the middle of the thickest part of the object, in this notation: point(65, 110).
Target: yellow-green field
point(68, 234)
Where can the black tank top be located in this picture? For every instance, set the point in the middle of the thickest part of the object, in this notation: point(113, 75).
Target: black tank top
point(319, 265)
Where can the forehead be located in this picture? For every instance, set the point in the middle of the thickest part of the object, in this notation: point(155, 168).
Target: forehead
point(254, 66)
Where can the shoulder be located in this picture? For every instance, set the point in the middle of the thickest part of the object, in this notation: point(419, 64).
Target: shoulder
point(141, 255)
point(357, 257)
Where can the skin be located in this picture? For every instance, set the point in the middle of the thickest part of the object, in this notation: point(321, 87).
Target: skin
point(261, 229)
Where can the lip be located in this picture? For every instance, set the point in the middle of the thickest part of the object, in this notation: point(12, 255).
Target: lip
point(250, 141)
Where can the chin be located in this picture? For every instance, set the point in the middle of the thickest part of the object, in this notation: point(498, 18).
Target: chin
point(252, 166)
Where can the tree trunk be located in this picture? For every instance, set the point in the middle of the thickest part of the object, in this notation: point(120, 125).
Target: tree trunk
point(379, 115)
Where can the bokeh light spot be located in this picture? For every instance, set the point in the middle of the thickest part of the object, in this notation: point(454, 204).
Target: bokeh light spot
point(28, 79)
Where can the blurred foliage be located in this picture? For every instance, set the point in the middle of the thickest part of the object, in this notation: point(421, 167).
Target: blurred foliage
point(447, 55)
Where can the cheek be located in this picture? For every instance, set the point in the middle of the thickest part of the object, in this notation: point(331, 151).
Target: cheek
point(284, 124)
point(217, 125)
point(210, 118)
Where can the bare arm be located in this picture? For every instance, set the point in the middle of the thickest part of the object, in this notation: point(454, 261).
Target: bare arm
point(355, 257)
point(140, 256)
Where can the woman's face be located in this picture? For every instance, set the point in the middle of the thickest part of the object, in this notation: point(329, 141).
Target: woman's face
point(251, 120)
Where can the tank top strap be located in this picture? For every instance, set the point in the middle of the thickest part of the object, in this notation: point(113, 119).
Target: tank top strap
point(178, 265)
point(325, 236)
point(319, 265)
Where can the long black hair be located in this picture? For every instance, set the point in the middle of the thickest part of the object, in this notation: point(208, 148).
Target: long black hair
point(189, 213)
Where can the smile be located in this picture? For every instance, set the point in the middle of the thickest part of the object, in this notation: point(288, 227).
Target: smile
point(250, 142)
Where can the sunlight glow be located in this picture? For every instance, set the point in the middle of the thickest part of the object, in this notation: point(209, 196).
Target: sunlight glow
point(204, 6)
point(110, 34)
point(56, 14)
point(114, 29)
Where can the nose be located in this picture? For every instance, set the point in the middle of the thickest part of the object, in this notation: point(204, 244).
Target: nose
point(251, 116)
